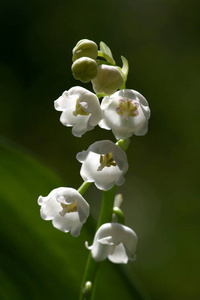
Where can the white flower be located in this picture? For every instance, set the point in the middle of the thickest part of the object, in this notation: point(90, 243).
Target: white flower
point(126, 112)
point(104, 163)
point(108, 80)
point(80, 109)
point(115, 242)
point(67, 209)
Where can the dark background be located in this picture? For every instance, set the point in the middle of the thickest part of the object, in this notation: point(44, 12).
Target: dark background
point(161, 41)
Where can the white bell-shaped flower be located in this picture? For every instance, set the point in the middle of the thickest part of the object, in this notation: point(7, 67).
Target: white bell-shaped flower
point(103, 163)
point(80, 110)
point(67, 209)
point(115, 242)
point(126, 112)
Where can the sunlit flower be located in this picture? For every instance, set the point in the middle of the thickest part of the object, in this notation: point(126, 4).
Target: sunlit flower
point(104, 163)
point(80, 110)
point(115, 242)
point(108, 80)
point(67, 209)
point(126, 112)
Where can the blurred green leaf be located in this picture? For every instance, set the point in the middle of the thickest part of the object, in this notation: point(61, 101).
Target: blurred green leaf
point(37, 260)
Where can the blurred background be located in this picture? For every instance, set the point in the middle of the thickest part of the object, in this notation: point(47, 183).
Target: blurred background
point(161, 41)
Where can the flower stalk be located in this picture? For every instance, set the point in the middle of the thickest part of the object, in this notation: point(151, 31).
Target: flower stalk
point(92, 266)
point(104, 163)
point(84, 187)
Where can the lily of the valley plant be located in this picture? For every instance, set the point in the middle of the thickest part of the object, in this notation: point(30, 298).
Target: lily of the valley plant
point(112, 107)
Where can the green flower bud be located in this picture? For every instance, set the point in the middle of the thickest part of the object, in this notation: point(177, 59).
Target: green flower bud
point(108, 80)
point(85, 48)
point(84, 69)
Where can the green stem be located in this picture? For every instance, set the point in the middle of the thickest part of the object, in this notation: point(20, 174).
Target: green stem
point(119, 214)
point(123, 144)
point(85, 185)
point(107, 206)
point(107, 57)
point(123, 87)
point(91, 265)
point(103, 62)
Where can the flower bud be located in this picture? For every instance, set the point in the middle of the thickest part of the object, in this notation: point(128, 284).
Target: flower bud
point(84, 69)
point(108, 80)
point(85, 48)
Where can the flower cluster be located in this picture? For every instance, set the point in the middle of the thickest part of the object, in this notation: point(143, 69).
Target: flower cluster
point(112, 107)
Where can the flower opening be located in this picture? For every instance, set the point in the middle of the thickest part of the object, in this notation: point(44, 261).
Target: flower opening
point(106, 160)
point(127, 108)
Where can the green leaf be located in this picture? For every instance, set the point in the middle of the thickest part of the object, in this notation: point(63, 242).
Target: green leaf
point(108, 54)
point(105, 49)
point(125, 67)
point(37, 260)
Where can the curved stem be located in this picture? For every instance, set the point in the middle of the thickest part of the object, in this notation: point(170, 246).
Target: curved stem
point(123, 87)
point(123, 144)
point(107, 57)
point(119, 214)
point(103, 62)
point(85, 185)
point(92, 266)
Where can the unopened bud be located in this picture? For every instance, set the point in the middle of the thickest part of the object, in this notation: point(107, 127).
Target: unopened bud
point(85, 48)
point(108, 80)
point(84, 69)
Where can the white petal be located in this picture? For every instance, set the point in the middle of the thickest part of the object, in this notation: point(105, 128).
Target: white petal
point(87, 246)
point(63, 101)
point(67, 118)
point(83, 210)
point(106, 240)
point(142, 130)
point(66, 223)
point(106, 102)
point(49, 206)
point(102, 123)
point(100, 252)
point(50, 210)
point(81, 126)
point(119, 256)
